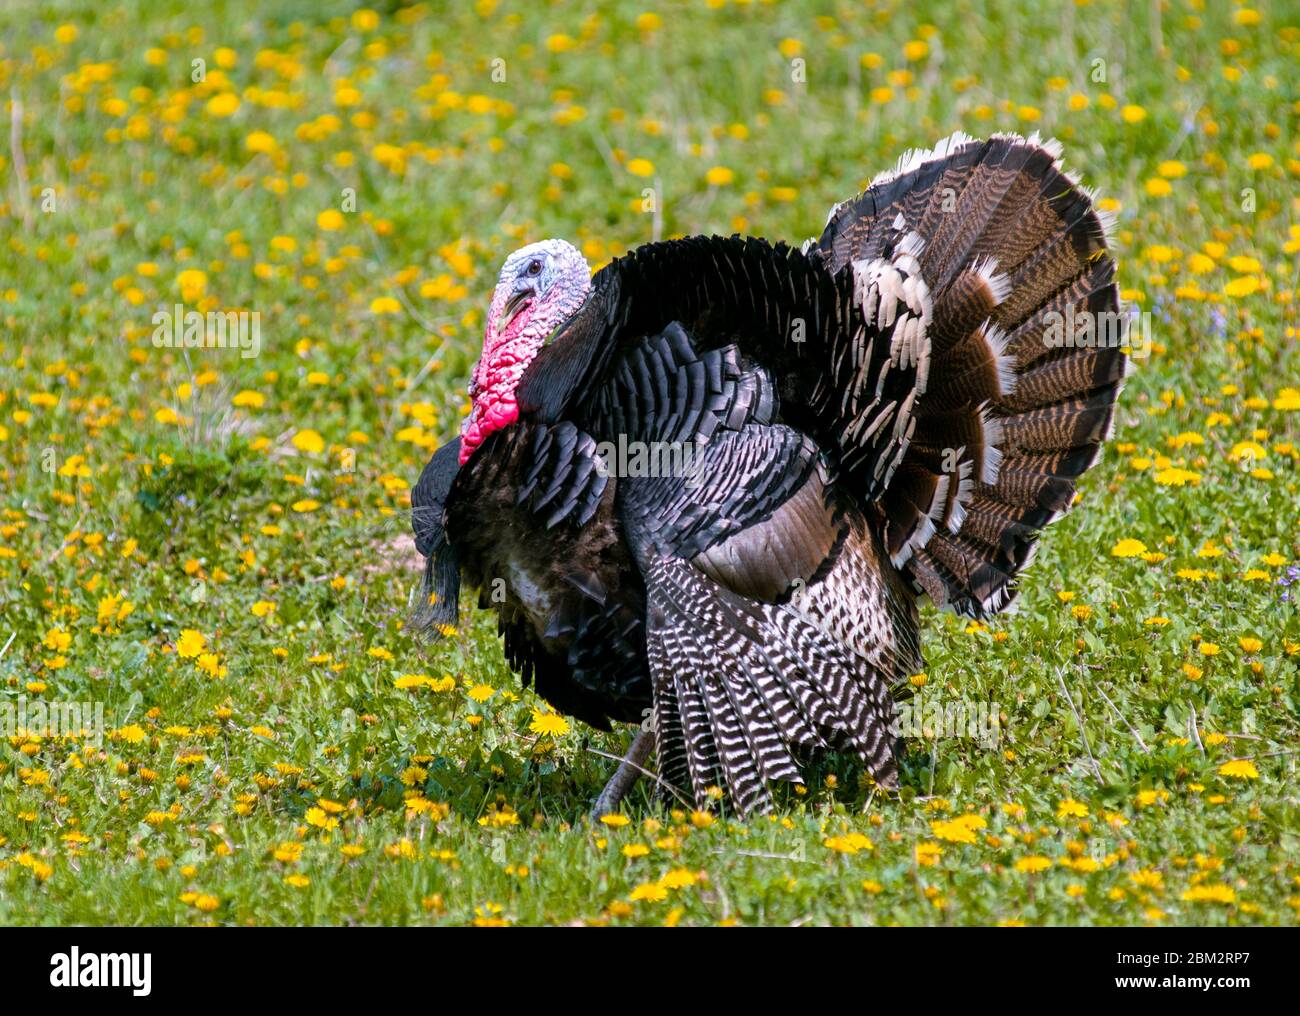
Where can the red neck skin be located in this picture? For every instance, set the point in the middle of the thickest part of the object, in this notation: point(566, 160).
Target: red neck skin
point(505, 356)
point(508, 351)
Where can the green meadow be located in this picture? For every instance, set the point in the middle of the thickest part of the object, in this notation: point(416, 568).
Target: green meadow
point(211, 708)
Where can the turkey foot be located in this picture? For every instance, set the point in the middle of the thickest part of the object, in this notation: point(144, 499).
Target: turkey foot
point(628, 770)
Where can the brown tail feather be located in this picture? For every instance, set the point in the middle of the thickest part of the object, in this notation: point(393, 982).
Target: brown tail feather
point(1009, 243)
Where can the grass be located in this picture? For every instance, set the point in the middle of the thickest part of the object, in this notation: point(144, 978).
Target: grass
point(265, 758)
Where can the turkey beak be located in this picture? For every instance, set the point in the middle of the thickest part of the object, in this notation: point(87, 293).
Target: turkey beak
point(521, 298)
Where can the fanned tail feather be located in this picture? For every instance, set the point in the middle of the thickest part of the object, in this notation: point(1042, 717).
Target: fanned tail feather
point(1012, 247)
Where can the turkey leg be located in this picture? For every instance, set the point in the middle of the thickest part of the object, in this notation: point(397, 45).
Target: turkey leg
point(628, 770)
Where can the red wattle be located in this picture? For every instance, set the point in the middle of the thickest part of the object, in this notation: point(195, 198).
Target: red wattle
point(505, 355)
point(491, 412)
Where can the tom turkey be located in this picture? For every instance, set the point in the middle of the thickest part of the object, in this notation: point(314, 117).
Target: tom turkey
point(876, 417)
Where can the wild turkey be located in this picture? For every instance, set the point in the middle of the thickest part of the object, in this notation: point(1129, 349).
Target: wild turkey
point(878, 416)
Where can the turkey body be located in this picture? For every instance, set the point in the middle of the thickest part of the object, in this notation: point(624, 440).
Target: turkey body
point(874, 418)
point(569, 598)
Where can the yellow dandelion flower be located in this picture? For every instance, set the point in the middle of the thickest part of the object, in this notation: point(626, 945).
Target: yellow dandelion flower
point(649, 892)
point(260, 142)
point(1174, 476)
point(319, 818)
point(548, 724)
point(223, 104)
point(210, 664)
point(1245, 285)
point(132, 733)
point(959, 830)
point(190, 644)
point(1240, 769)
point(928, 853)
point(849, 843)
point(1288, 400)
point(309, 441)
point(1210, 894)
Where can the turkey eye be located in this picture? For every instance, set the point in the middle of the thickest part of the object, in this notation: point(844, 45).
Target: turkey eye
point(534, 268)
